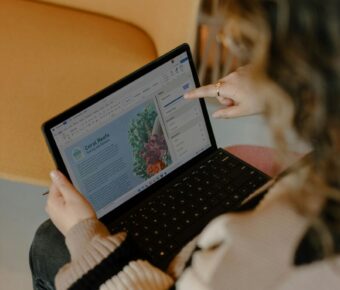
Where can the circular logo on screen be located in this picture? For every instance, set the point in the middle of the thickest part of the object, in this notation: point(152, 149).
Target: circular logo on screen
point(77, 154)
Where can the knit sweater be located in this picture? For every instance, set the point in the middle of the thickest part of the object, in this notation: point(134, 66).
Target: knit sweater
point(251, 250)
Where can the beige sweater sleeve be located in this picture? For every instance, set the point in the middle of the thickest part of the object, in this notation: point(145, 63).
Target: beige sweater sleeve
point(89, 243)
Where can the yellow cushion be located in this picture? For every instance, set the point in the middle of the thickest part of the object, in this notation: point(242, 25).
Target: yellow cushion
point(51, 58)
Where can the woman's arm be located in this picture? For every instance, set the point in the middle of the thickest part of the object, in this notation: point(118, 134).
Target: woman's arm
point(96, 257)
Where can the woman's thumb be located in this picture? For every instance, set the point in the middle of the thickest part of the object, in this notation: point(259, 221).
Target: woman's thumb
point(64, 186)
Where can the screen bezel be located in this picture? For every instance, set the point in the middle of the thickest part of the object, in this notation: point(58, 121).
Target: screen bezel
point(48, 125)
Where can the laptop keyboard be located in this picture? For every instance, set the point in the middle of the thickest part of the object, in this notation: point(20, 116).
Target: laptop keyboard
point(175, 214)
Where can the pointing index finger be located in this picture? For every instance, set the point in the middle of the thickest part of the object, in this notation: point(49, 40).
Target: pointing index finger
point(202, 92)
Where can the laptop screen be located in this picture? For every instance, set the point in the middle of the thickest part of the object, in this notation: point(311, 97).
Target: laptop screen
point(131, 138)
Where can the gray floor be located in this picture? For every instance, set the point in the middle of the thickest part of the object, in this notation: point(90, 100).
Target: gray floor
point(21, 211)
point(22, 206)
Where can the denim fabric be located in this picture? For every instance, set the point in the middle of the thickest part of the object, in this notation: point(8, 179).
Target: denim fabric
point(47, 255)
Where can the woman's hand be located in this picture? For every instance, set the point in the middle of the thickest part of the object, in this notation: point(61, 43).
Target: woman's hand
point(239, 95)
point(65, 205)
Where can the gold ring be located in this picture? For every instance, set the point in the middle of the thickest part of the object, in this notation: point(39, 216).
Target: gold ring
point(218, 85)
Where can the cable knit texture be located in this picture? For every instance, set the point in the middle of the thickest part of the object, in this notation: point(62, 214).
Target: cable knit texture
point(78, 237)
point(139, 275)
point(89, 243)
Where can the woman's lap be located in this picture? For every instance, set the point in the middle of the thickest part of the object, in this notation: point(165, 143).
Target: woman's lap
point(48, 253)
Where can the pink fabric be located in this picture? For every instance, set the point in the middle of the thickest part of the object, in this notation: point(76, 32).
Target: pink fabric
point(263, 158)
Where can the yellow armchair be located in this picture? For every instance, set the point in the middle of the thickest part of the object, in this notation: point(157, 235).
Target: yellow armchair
point(167, 22)
point(53, 56)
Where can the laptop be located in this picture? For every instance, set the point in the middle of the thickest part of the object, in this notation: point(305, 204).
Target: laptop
point(147, 160)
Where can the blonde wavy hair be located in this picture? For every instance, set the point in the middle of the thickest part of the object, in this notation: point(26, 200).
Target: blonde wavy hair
point(294, 47)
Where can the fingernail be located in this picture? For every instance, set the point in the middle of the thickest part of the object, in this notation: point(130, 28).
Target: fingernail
point(55, 175)
point(216, 115)
point(185, 96)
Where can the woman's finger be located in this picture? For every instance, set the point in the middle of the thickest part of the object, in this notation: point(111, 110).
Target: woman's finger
point(225, 101)
point(202, 92)
point(53, 193)
point(54, 198)
point(230, 112)
point(63, 185)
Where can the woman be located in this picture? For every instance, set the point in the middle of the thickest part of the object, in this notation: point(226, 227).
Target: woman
point(291, 240)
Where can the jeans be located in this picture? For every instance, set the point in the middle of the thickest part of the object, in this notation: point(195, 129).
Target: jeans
point(47, 255)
